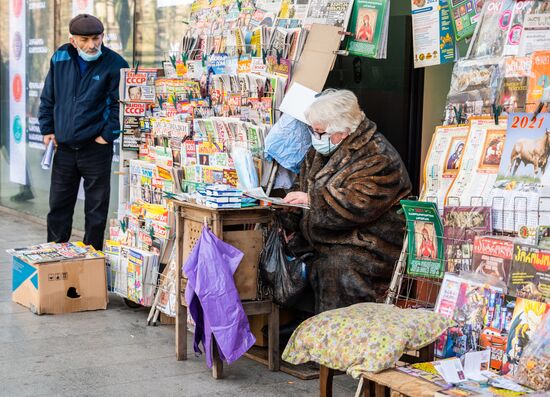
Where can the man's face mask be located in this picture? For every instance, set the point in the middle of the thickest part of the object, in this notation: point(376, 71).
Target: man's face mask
point(85, 44)
point(89, 57)
point(323, 144)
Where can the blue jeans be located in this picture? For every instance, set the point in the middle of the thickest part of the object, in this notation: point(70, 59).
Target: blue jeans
point(92, 163)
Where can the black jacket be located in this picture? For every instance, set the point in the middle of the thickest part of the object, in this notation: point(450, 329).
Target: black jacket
point(78, 108)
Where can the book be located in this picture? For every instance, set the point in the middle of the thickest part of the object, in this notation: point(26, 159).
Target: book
point(425, 249)
point(460, 226)
point(527, 316)
point(493, 256)
point(530, 273)
point(369, 25)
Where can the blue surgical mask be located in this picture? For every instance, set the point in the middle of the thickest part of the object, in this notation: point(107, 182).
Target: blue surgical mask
point(87, 57)
point(324, 145)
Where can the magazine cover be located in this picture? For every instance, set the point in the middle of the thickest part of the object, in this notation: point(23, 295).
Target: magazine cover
point(493, 256)
point(514, 84)
point(425, 242)
point(369, 25)
point(443, 162)
point(472, 305)
point(539, 80)
point(138, 87)
point(482, 155)
point(329, 12)
point(491, 29)
point(464, 16)
point(527, 316)
point(522, 176)
point(530, 274)
point(460, 226)
point(433, 38)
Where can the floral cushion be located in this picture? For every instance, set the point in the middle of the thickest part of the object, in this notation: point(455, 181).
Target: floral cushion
point(366, 337)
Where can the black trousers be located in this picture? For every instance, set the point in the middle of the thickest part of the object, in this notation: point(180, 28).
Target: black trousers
point(93, 164)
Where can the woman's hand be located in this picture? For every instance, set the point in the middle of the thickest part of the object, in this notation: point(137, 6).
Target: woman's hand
point(296, 198)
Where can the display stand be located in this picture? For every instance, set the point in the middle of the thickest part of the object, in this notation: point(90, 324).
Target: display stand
point(238, 228)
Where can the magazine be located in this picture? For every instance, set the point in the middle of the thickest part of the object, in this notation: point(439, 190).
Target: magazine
point(539, 79)
point(443, 162)
point(369, 25)
point(491, 29)
point(472, 305)
point(425, 250)
point(515, 27)
point(433, 38)
point(521, 178)
point(480, 162)
point(138, 87)
point(535, 35)
point(493, 256)
point(329, 12)
point(464, 16)
point(514, 84)
point(530, 274)
point(460, 226)
point(526, 318)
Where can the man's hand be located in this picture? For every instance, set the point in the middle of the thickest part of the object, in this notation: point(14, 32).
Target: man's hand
point(101, 141)
point(296, 198)
point(48, 138)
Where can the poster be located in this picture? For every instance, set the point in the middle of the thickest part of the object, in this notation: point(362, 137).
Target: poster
point(369, 26)
point(530, 274)
point(443, 162)
point(425, 239)
point(433, 38)
point(482, 154)
point(522, 177)
point(464, 16)
point(17, 89)
point(329, 12)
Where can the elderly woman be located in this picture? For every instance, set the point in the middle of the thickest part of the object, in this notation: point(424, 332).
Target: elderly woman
point(352, 179)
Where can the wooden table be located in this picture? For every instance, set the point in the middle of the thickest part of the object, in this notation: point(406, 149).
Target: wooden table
point(396, 383)
point(236, 227)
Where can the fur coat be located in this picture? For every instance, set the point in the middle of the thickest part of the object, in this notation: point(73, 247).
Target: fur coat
point(353, 223)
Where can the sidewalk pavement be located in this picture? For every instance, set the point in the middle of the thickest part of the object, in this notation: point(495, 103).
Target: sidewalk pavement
point(113, 352)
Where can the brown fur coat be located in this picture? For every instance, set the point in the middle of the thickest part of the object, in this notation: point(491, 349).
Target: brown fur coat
point(352, 224)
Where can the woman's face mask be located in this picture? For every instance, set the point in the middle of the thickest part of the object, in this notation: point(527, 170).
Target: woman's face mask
point(323, 144)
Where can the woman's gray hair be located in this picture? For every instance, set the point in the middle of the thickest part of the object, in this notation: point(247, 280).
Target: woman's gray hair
point(337, 110)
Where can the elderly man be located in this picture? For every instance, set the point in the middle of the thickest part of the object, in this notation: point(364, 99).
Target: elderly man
point(79, 113)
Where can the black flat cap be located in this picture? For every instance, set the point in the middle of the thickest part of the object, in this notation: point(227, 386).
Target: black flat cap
point(85, 25)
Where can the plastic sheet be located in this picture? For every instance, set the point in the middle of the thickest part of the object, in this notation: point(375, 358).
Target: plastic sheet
point(213, 300)
point(288, 142)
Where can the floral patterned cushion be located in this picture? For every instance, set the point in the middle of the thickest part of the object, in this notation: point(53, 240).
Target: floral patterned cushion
point(366, 337)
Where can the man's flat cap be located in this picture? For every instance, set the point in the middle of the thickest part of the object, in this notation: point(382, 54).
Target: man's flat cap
point(85, 25)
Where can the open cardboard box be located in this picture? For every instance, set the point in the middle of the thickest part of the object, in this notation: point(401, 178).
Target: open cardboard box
point(60, 287)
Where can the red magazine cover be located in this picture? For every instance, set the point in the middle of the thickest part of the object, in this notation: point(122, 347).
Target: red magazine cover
point(493, 256)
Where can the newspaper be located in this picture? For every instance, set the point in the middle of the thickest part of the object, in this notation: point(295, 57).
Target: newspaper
point(259, 194)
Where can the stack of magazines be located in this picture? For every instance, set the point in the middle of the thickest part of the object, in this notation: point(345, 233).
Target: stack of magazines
point(53, 252)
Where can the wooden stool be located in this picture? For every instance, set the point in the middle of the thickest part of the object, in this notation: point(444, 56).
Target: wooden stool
point(375, 385)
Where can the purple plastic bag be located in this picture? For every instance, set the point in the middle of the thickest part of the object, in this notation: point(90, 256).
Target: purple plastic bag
point(213, 300)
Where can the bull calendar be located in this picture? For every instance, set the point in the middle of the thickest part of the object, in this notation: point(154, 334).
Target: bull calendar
point(521, 194)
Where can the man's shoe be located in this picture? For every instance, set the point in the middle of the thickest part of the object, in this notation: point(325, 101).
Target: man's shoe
point(22, 196)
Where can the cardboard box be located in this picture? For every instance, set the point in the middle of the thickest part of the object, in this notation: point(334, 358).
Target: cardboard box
point(60, 287)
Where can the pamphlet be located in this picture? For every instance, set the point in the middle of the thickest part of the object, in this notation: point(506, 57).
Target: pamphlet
point(425, 239)
point(433, 38)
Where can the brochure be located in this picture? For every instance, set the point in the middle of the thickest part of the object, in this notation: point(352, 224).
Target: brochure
point(425, 250)
point(433, 38)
